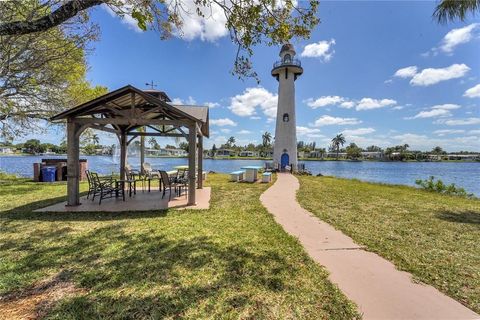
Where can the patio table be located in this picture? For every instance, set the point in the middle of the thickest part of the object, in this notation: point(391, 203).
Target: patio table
point(181, 167)
point(251, 173)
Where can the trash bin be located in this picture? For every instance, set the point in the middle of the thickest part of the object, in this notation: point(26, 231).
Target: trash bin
point(48, 174)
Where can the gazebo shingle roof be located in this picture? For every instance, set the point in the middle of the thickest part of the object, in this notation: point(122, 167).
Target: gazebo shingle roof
point(118, 103)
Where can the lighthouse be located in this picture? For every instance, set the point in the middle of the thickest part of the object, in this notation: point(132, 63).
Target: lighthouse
point(286, 71)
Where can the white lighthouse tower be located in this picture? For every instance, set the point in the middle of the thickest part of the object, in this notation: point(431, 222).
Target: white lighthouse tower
point(286, 72)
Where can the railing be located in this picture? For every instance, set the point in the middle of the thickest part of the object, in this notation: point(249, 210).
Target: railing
point(293, 62)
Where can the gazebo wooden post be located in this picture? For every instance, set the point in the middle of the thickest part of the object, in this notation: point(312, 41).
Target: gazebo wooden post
point(200, 162)
point(142, 153)
point(192, 154)
point(123, 154)
point(73, 164)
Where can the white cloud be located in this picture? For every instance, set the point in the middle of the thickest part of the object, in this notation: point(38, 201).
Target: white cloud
point(431, 76)
point(208, 28)
point(212, 105)
point(223, 122)
point(301, 131)
point(324, 101)
point(398, 107)
point(255, 118)
point(244, 132)
point(126, 18)
point(322, 49)
point(423, 142)
point(473, 92)
point(358, 131)
point(432, 114)
point(447, 106)
point(225, 130)
point(363, 104)
point(245, 104)
point(407, 72)
point(179, 101)
point(444, 132)
point(369, 103)
point(456, 37)
point(474, 132)
point(347, 104)
point(329, 120)
point(462, 122)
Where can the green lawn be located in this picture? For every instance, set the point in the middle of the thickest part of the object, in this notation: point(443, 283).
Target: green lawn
point(435, 237)
point(232, 261)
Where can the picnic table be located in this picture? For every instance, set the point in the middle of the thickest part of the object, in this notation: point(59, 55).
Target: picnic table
point(251, 173)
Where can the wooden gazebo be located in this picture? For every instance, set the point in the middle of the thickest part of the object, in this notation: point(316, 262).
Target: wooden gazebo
point(123, 112)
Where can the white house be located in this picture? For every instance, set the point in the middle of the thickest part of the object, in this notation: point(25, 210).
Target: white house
point(247, 153)
point(6, 150)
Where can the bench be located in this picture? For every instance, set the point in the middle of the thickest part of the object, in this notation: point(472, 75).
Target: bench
point(237, 176)
point(267, 177)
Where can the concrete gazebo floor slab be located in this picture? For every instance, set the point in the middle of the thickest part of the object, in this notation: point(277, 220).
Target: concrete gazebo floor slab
point(142, 201)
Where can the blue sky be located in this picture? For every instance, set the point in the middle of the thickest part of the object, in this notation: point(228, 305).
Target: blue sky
point(381, 72)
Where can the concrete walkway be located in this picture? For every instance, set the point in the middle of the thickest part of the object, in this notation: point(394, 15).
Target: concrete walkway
point(373, 283)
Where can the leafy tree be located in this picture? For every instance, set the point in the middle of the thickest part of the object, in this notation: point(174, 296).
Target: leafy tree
point(33, 146)
point(338, 141)
point(250, 22)
point(169, 146)
point(374, 149)
point(353, 151)
point(438, 150)
point(231, 142)
point(450, 10)
point(41, 73)
point(89, 149)
point(214, 150)
point(322, 152)
point(183, 145)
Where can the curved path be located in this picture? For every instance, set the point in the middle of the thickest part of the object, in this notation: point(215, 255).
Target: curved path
point(373, 283)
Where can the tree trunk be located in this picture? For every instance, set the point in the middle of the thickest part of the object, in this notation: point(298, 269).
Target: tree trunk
point(63, 13)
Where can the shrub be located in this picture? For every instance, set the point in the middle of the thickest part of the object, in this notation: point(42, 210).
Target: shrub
point(440, 187)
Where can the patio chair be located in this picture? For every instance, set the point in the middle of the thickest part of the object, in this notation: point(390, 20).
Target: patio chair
point(93, 188)
point(91, 184)
point(149, 174)
point(182, 179)
point(131, 171)
point(169, 183)
point(147, 169)
point(106, 187)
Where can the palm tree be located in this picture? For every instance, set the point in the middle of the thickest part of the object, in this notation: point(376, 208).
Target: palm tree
point(153, 143)
point(266, 139)
point(449, 10)
point(338, 140)
point(95, 139)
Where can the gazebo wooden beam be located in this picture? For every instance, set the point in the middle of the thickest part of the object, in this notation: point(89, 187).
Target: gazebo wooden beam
point(154, 134)
point(130, 121)
point(103, 128)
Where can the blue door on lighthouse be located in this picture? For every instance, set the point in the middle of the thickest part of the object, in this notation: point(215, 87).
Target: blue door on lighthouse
point(284, 160)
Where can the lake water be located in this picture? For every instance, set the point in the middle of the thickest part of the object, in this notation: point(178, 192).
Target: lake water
point(464, 174)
